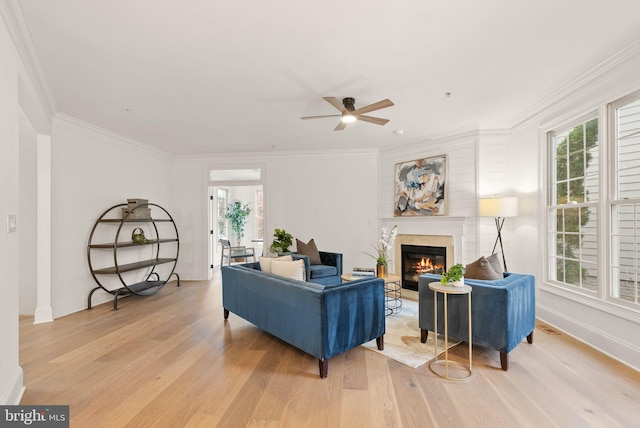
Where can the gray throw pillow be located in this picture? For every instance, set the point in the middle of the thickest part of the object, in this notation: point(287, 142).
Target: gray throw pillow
point(481, 269)
point(494, 260)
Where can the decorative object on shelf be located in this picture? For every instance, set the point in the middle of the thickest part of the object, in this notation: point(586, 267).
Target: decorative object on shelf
point(237, 214)
point(499, 209)
point(454, 276)
point(419, 188)
point(385, 242)
point(137, 209)
point(282, 242)
point(137, 236)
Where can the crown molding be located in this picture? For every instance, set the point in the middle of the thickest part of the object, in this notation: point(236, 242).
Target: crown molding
point(13, 15)
point(611, 62)
point(279, 155)
point(72, 124)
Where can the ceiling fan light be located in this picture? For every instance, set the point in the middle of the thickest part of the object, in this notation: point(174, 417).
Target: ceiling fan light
point(348, 118)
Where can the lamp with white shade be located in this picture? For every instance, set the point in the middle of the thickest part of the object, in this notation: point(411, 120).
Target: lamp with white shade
point(499, 209)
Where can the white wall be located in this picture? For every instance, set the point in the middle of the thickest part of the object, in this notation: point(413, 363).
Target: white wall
point(93, 170)
point(28, 217)
point(11, 384)
point(608, 327)
point(328, 196)
point(460, 191)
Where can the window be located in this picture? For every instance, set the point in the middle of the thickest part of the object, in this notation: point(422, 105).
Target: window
point(573, 207)
point(594, 190)
point(221, 206)
point(259, 212)
point(625, 201)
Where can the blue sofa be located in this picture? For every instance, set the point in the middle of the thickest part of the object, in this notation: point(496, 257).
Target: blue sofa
point(502, 312)
point(321, 320)
point(327, 273)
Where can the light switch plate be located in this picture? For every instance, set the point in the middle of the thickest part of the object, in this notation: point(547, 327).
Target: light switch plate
point(12, 223)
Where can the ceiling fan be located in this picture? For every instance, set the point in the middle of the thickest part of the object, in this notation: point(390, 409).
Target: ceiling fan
point(350, 114)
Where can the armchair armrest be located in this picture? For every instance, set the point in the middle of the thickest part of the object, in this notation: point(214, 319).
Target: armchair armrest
point(331, 259)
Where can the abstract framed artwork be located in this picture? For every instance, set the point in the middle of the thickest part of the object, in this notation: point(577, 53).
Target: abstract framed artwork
point(419, 188)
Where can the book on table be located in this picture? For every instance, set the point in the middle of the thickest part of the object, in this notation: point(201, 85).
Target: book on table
point(359, 271)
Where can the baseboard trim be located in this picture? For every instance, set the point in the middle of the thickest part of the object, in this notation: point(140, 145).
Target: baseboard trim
point(623, 352)
point(43, 314)
point(12, 393)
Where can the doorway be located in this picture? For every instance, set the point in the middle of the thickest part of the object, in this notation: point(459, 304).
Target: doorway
point(225, 187)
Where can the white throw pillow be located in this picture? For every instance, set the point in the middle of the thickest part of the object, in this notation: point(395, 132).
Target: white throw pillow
point(293, 269)
point(265, 262)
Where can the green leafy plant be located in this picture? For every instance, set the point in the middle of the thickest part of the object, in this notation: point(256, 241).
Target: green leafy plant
point(455, 273)
point(282, 242)
point(385, 242)
point(574, 155)
point(237, 214)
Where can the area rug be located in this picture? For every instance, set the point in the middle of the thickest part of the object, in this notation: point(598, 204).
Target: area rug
point(402, 338)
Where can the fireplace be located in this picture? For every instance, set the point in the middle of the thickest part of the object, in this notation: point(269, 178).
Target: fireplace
point(420, 259)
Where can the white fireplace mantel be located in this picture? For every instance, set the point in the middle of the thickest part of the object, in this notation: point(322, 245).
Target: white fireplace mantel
point(432, 226)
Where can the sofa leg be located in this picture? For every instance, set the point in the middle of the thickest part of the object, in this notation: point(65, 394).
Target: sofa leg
point(380, 342)
point(423, 335)
point(226, 313)
point(504, 361)
point(324, 368)
point(530, 337)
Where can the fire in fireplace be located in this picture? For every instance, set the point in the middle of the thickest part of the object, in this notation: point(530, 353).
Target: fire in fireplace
point(420, 259)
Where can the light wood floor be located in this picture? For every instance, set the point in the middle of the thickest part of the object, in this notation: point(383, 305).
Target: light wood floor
point(170, 360)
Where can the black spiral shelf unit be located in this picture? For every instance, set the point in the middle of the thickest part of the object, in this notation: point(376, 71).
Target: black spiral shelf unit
point(153, 282)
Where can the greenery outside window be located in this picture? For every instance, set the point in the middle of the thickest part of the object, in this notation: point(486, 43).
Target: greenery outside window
point(573, 206)
point(259, 213)
point(593, 190)
point(222, 199)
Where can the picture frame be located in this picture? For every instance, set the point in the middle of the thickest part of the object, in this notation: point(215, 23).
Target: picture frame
point(419, 187)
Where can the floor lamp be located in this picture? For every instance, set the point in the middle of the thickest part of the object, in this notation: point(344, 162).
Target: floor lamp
point(499, 209)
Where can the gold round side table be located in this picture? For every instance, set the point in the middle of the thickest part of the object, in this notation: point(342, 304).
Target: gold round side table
point(437, 365)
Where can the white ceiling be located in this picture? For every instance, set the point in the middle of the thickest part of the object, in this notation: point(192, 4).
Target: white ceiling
point(203, 76)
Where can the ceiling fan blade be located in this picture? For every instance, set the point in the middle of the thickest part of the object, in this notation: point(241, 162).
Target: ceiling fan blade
point(375, 106)
point(334, 102)
point(341, 126)
point(320, 117)
point(371, 119)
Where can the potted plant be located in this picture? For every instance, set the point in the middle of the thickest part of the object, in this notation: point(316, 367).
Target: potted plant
point(282, 242)
point(237, 214)
point(455, 276)
point(385, 242)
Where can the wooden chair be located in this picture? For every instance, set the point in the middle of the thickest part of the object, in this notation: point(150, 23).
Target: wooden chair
point(235, 254)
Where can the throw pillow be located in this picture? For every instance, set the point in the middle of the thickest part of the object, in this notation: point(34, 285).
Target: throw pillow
point(310, 250)
point(293, 269)
point(481, 269)
point(265, 262)
point(494, 261)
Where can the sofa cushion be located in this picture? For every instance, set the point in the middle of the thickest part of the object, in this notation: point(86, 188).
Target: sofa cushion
point(265, 262)
point(481, 269)
point(321, 271)
point(310, 250)
point(293, 269)
point(494, 261)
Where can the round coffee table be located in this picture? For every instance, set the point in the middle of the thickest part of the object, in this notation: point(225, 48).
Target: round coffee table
point(392, 291)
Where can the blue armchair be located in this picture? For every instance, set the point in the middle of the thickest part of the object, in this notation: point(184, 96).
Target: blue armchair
point(327, 273)
point(502, 312)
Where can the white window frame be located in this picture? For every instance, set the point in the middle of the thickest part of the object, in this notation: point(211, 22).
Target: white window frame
point(550, 229)
point(602, 299)
point(613, 200)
